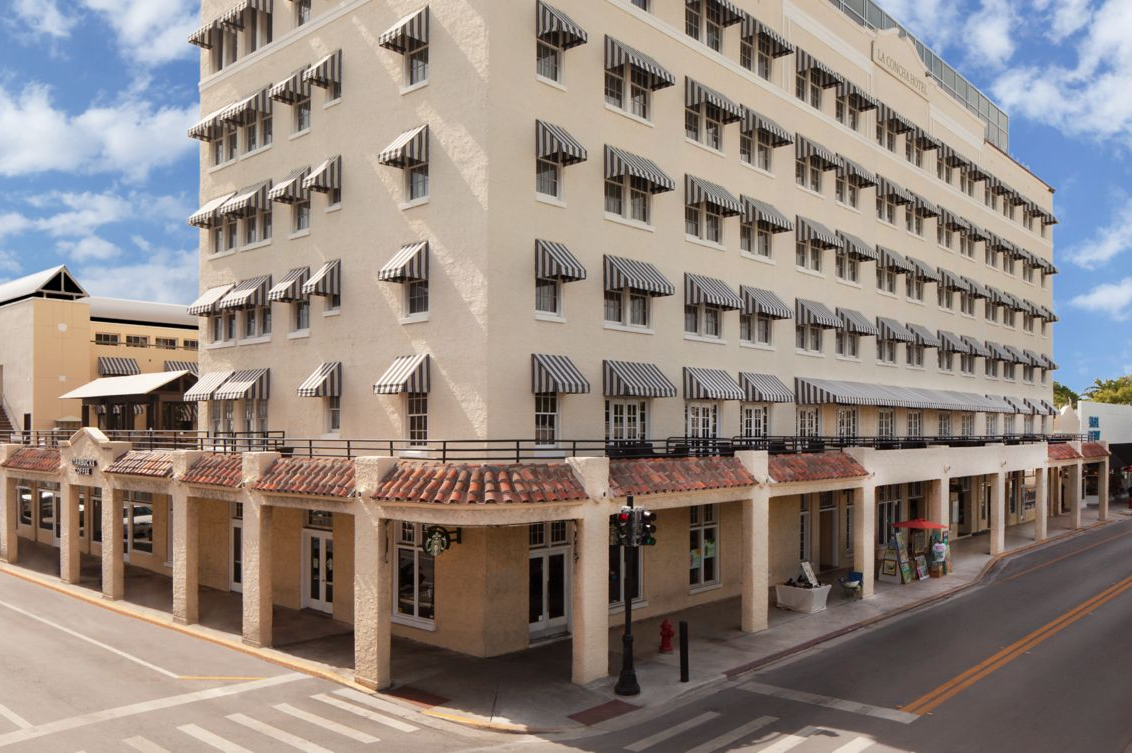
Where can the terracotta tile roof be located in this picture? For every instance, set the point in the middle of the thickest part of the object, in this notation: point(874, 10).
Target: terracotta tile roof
point(216, 470)
point(819, 466)
point(1094, 450)
point(34, 459)
point(153, 463)
point(323, 477)
point(470, 484)
point(661, 475)
point(1061, 451)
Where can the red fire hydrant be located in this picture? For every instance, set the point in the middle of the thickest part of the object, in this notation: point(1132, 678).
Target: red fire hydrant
point(667, 634)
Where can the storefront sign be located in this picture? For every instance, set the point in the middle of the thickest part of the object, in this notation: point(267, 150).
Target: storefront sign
point(83, 466)
point(438, 539)
point(914, 79)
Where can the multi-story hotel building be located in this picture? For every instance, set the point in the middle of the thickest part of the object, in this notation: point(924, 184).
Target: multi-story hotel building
point(767, 267)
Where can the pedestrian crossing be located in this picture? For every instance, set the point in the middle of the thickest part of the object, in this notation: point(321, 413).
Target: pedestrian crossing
point(765, 734)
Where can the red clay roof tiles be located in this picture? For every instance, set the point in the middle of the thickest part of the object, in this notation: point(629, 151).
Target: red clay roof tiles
point(820, 466)
point(34, 459)
point(468, 484)
point(152, 463)
point(666, 475)
point(216, 470)
point(1061, 451)
point(1094, 450)
point(322, 477)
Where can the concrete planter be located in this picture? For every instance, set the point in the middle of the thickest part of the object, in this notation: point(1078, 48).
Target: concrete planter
point(806, 600)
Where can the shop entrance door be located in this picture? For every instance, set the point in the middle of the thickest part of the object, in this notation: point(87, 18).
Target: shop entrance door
point(49, 514)
point(828, 538)
point(318, 565)
point(548, 592)
point(236, 555)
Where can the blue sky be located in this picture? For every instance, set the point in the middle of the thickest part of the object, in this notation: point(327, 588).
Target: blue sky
point(96, 171)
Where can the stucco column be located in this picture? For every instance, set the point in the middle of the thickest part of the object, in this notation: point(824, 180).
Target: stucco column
point(590, 591)
point(997, 541)
point(186, 557)
point(755, 561)
point(1103, 489)
point(372, 597)
point(865, 533)
point(1041, 504)
point(257, 566)
point(1059, 492)
point(69, 533)
point(113, 582)
point(938, 511)
point(9, 522)
point(1074, 495)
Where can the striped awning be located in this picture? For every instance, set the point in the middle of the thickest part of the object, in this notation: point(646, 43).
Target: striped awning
point(815, 233)
point(923, 336)
point(557, 28)
point(711, 292)
point(927, 141)
point(710, 384)
point(975, 346)
point(556, 374)
point(776, 135)
point(291, 188)
point(207, 386)
point(325, 73)
point(247, 109)
point(619, 162)
point(1048, 408)
point(810, 391)
point(620, 273)
point(764, 303)
point(248, 200)
point(953, 158)
point(950, 343)
point(894, 120)
point(1020, 405)
point(553, 143)
point(974, 288)
point(208, 128)
point(247, 294)
point(820, 73)
point(816, 153)
point(1018, 356)
point(554, 261)
point(974, 231)
point(752, 27)
point(409, 264)
point(246, 384)
point(856, 248)
point(697, 94)
point(202, 37)
point(855, 323)
point(1047, 362)
point(727, 12)
point(1047, 315)
point(998, 352)
point(815, 313)
point(208, 216)
point(189, 366)
point(635, 379)
point(922, 270)
point(327, 281)
point(326, 177)
point(765, 388)
point(856, 175)
point(619, 54)
point(405, 374)
point(951, 281)
point(206, 303)
point(922, 207)
point(890, 190)
point(765, 216)
point(891, 329)
point(951, 221)
point(855, 97)
point(700, 191)
point(977, 173)
point(325, 381)
point(889, 258)
point(109, 366)
point(407, 34)
point(1011, 301)
point(290, 288)
point(408, 149)
point(997, 404)
point(291, 89)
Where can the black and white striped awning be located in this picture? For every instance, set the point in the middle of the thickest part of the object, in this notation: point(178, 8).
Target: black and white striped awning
point(409, 264)
point(208, 216)
point(1047, 315)
point(247, 294)
point(893, 120)
point(893, 192)
point(922, 270)
point(923, 207)
point(856, 248)
point(816, 153)
point(405, 374)
point(326, 177)
point(326, 73)
point(557, 28)
point(951, 221)
point(697, 94)
point(977, 173)
point(1019, 405)
point(700, 191)
point(620, 273)
point(775, 134)
point(1011, 301)
point(202, 37)
point(327, 281)
point(855, 323)
point(816, 314)
point(820, 73)
point(619, 54)
point(727, 12)
point(998, 352)
point(619, 162)
point(710, 384)
point(764, 303)
point(765, 388)
point(927, 141)
point(554, 261)
point(975, 289)
point(407, 34)
point(856, 175)
point(553, 143)
point(247, 109)
point(291, 89)
point(753, 27)
point(325, 381)
point(974, 231)
point(891, 329)
point(951, 281)
point(1049, 408)
point(855, 97)
point(206, 303)
point(1047, 362)
point(950, 343)
point(1011, 249)
point(208, 128)
point(1019, 357)
point(996, 243)
point(109, 366)
point(206, 386)
point(556, 374)
point(408, 149)
point(811, 391)
point(290, 189)
point(290, 288)
point(711, 292)
point(890, 259)
point(923, 336)
point(189, 366)
point(815, 233)
point(635, 379)
point(246, 384)
point(248, 201)
point(976, 346)
point(953, 158)
point(765, 216)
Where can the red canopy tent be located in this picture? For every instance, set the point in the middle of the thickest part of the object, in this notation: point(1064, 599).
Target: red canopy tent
point(921, 523)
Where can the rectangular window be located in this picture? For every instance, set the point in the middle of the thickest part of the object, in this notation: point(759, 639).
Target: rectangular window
point(847, 422)
point(846, 344)
point(416, 297)
point(165, 343)
point(701, 420)
point(944, 359)
point(548, 61)
point(845, 266)
point(626, 420)
point(806, 422)
point(753, 421)
point(914, 355)
point(417, 182)
point(414, 586)
point(302, 111)
point(547, 176)
point(300, 216)
point(886, 422)
point(302, 11)
point(334, 414)
point(639, 93)
point(808, 338)
point(547, 296)
point(626, 307)
point(703, 535)
point(301, 316)
point(914, 424)
point(105, 338)
point(944, 424)
point(615, 88)
point(886, 350)
point(417, 417)
point(703, 320)
point(417, 65)
point(546, 418)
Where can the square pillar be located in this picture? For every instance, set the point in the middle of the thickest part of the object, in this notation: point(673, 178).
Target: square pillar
point(938, 511)
point(372, 597)
point(69, 533)
point(998, 513)
point(865, 535)
point(1074, 495)
point(590, 595)
point(1042, 503)
point(1103, 489)
point(257, 566)
point(755, 561)
point(9, 522)
point(1059, 492)
point(186, 558)
point(113, 582)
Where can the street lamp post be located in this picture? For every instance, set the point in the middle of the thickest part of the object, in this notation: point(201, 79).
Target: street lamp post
point(627, 680)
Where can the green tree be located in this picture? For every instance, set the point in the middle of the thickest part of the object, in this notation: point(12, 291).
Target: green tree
point(1064, 395)
point(1116, 391)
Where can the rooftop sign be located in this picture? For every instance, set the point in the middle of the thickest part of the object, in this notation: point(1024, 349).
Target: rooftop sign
point(914, 78)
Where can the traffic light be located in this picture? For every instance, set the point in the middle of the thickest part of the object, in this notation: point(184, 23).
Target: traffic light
point(623, 526)
point(646, 527)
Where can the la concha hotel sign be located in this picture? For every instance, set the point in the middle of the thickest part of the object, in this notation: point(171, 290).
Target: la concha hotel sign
point(914, 78)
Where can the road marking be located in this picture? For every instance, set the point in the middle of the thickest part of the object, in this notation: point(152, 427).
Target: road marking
point(279, 735)
point(841, 704)
point(966, 679)
point(327, 724)
point(215, 741)
point(673, 731)
point(857, 745)
point(373, 702)
point(145, 707)
point(221, 678)
point(88, 639)
point(143, 745)
point(737, 734)
point(1071, 554)
point(365, 713)
point(14, 718)
point(784, 743)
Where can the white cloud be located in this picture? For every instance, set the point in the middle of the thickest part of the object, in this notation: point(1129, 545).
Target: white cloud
point(1069, 16)
point(164, 275)
point(1111, 298)
point(1107, 242)
point(150, 32)
point(12, 223)
point(934, 22)
point(9, 263)
point(43, 17)
point(989, 33)
point(90, 247)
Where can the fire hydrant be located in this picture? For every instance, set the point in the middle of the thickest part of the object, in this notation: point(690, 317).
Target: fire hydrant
point(667, 634)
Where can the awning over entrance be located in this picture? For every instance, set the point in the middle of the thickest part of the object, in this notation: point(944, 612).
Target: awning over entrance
point(409, 264)
point(640, 276)
point(619, 162)
point(632, 379)
point(711, 292)
point(556, 374)
point(554, 261)
point(124, 386)
point(109, 366)
point(405, 374)
point(325, 381)
point(206, 304)
point(207, 386)
point(710, 384)
point(246, 384)
point(764, 303)
point(765, 388)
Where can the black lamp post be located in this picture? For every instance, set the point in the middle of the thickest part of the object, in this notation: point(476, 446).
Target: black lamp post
point(627, 680)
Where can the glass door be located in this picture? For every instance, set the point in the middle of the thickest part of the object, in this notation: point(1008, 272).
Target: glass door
point(548, 594)
point(236, 555)
point(49, 513)
point(318, 579)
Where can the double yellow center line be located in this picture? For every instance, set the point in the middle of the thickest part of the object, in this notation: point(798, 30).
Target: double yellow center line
point(934, 698)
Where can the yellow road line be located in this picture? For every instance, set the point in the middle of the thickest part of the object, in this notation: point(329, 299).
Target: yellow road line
point(1059, 559)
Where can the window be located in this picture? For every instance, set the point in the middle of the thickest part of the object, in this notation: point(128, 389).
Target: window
point(991, 311)
point(914, 355)
point(806, 422)
point(991, 427)
point(943, 169)
point(626, 420)
point(223, 327)
point(705, 125)
point(886, 350)
point(886, 209)
point(763, 150)
point(1028, 274)
point(1008, 317)
point(334, 414)
point(808, 174)
point(943, 236)
point(300, 316)
point(886, 276)
point(417, 417)
point(704, 320)
point(224, 149)
point(944, 424)
point(886, 422)
point(414, 588)
point(139, 521)
point(967, 185)
point(808, 337)
point(845, 266)
point(753, 421)
point(944, 297)
point(967, 303)
point(845, 192)
point(1009, 264)
point(1028, 373)
point(417, 182)
point(1028, 424)
point(300, 216)
point(944, 359)
point(703, 223)
point(546, 418)
point(991, 368)
point(632, 94)
point(967, 246)
point(165, 343)
point(255, 416)
point(629, 197)
point(761, 61)
point(755, 240)
point(701, 420)
point(808, 88)
point(257, 322)
point(847, 422)
point(755, 328)
point(548, 296)
point(914, 424)
point(914, 287)
point(1009, 371)
point(967, 424)
point(417, 64)
point(914, 152)
point(1028, 323)
point(627, 307)
point(808, 255)
point(302, 11)
point(702, 548)
point(967, 363)
point(24, 495)
point(105, 338)
point(888, 509)
point(846, 344)
point(302, 113)
point(548, 61)
point(914, 223)
point(705, 21)
point(845, 112)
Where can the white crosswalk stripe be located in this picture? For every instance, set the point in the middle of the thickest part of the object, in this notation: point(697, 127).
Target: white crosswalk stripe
point(327, 724)
point(213, 740)
point(143, 745)
point(373, 716)
point(670, 732)
point(857, 745)
point(732, 736)
point(373, 702)
point(279, 735)
point(782, 744)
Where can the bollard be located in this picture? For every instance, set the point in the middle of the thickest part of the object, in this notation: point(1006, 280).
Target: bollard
point(684, 650)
